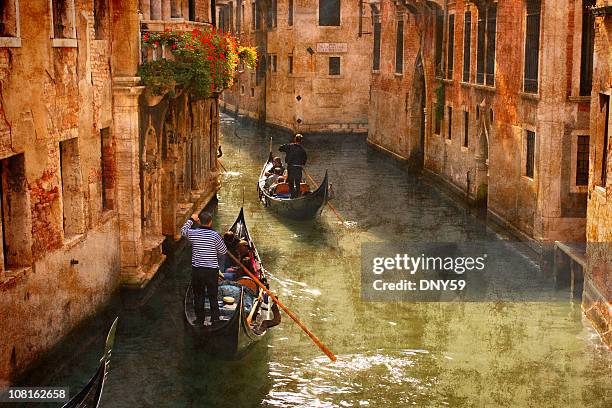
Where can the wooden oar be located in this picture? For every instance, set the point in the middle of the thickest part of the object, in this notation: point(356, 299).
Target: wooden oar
point(222, 166)
point(331, 207)
point(282, 306)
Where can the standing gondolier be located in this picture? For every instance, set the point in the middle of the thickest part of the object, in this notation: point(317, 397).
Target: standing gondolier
point(295, 157)
point(208, 252)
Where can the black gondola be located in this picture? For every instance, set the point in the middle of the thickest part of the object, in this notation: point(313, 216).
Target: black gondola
point(89, 396)
point(307, 205)
point(245, 320)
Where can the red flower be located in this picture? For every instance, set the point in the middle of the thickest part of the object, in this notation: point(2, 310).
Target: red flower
point(174, 46)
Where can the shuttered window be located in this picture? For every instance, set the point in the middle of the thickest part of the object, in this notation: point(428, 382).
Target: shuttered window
point(467, 45)
point(376, 53)
point(329, 12)
point(450, 51)
point(399, 48)
point(588, 41)
point(532, 46)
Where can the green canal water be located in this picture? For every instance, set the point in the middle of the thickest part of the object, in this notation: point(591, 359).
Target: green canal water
point(390, 354)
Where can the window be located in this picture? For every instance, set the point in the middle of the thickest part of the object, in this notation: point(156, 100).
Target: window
point(529, 153)
point(329, 12)
point(274, 63)
point(290, 62)
point(240, 19)
point(466, 128)
point(439, 42)
point(100, 19)
point(72, 204)
point(450, 51)
point(437, 119)
point(272, 13)
point(532, 46)
point(192, 10)
point(290, 13)
point(62, 19)
point(588, 41)
point(334, 65)
point(449, 130)
point(241, 89)
point(14, 213)
point(399, 47)
point(107, 166)
point(376, 53)
point(582, 160)
point(467, 45)
point(252, 92)
point(605, 110)
point(256, 22)
point(9, 23)
point(485, 61)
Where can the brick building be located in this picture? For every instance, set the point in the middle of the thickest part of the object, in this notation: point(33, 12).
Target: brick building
point(598, 284)
point(492, 98)
point(314, 75)
point(93, 172)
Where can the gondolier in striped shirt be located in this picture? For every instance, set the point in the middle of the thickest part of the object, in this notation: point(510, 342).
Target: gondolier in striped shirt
point(295, 157)
point(208, 252)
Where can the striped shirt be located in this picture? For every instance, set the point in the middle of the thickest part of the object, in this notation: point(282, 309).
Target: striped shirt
point(207, 246)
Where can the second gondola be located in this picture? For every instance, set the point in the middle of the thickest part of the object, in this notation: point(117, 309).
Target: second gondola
point(308, 205)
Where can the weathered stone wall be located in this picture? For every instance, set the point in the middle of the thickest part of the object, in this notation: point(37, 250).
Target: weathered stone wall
point(81, 181)
point(597, 297)
point(309, 99)
point(491, 166)
point(61, 251)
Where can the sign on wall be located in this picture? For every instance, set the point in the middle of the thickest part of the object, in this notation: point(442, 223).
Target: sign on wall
point(332, 48)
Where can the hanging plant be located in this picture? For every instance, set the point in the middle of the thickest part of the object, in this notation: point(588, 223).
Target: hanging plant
point(201, 62)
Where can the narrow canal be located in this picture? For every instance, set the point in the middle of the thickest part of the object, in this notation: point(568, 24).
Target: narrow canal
point(390, 354)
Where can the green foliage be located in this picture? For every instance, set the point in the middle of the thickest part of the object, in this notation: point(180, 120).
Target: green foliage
point(201, 62)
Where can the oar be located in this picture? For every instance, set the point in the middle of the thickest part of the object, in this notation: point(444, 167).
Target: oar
point(270, 144)
point(282, 306)
point(222, 166)
point(328, 203)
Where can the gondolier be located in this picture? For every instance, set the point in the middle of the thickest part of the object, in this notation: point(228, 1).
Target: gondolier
point(207, 249)
point(295, 157)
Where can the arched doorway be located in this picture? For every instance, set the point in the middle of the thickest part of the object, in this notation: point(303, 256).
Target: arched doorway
point(417, 117)
point(481, 181)
point(150, 176)
point(168, 182)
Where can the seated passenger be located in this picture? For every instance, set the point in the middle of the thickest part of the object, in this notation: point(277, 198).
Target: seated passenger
point(277, 167)
point(234, 271)
point(275, 172)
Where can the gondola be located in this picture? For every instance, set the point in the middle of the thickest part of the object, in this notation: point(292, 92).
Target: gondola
point(245, 316)
point(89, 396)
point(307, 205)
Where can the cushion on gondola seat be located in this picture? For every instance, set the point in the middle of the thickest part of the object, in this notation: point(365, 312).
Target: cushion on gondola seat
point(304, 188)
point(282, 188)
point(282, 195)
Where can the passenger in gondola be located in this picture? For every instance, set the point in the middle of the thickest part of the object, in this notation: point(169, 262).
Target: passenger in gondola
point(275, 172)
point(295, 157)
point(234, 272)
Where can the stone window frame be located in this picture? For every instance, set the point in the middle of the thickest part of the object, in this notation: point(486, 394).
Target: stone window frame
point(523, 168)
point(450, 48)
point(447, 123)
point(398, 70)
point(523, 91)
point(467, 36)
point(328, 58)
point(329, 27)
point(577, 55)
point(15, 41)
point(574, 148)
point(464, 128)
point(69, 42)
